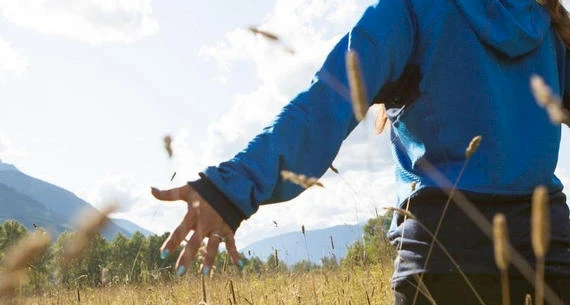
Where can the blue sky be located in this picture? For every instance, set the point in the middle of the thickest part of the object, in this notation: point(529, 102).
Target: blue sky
point(88, 88)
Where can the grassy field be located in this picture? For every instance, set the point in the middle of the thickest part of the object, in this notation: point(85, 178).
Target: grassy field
point(358, 286)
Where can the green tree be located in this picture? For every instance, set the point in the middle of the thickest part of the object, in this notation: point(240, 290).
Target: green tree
point(253, 265)
point(10, 232)
point(274, 264)
point(373, 248)
point(303, 266)
point(329, 263)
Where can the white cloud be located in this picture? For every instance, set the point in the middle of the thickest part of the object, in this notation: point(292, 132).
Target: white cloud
point(91, 21)
point(9, 151)
point(11, 60)
point(134, 203)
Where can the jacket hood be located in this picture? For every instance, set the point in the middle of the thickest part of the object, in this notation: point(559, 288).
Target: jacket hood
point(512, 27)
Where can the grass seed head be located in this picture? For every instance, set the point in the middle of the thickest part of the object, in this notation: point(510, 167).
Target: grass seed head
point(381, 119)
point(501, 242)
point(528, 299)
point(301, 180)
point(413, 185)
point(264, 34)
point(546, 99)
point(356, 84)
point(540, 219)
point(27, 251)
point(542, 93)
point(303, 229)
point(87, 225)
point(334, 169)
point(168, 145)
point(473, 145)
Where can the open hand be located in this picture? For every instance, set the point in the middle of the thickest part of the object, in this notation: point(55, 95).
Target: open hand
point(205, 222)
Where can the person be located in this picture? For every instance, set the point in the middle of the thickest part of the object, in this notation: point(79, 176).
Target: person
point(446, 71)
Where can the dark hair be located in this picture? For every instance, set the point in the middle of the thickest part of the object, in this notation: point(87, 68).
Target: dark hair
point(560, 19)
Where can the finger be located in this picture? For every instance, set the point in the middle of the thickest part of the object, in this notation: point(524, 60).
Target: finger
point(188, 254)
point(178, 193)
point(178, 235)
point(211, 252)
point(232, 250)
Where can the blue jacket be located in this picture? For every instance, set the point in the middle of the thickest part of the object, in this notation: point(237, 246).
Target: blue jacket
point(447, 70)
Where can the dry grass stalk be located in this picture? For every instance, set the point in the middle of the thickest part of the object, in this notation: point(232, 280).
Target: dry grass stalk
point(271, 37)
point(381, 119)
point(303, 229)
point(473, 145)
point(168, 145)
point(173, 175)
point(413, 185)
point(540, 221)
point(540, 237)
point(403, 212)
point(332, 242)
point(10, 281)
point(233, 293)
point(528, 299)
point(27, 251)
point(301, 180)
point(501, 242)
point(546, 99)
point(204, 299)
point(334, 169)
point(88, 225)
point(356, 84)
point(276, 258)
point(265, 34)
point(19, 257)
point(422, 288)
point(502, 254)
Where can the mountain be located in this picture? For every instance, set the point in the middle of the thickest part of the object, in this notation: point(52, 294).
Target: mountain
point(33, 201)
point(131, 227)
point(291, 246)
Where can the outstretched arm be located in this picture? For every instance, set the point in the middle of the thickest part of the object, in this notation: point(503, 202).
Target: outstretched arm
point(304, 138)
point(307, 134)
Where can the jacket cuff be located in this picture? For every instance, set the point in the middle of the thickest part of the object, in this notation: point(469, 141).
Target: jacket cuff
point(227, 210)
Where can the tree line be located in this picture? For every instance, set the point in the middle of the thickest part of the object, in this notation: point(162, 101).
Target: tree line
point(136, 260)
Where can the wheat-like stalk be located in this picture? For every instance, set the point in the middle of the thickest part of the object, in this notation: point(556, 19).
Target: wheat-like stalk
point(168, 145)
point(381, 119)
point(27, 251)
point(19, 257)
point(540, 237)
point(473, 145)
point(540, 222)
point(270, 36)
point(502, 255)
point(87, 226)
point(528, 299)
point(546, 99)
point(302, 180)
point(356, 84)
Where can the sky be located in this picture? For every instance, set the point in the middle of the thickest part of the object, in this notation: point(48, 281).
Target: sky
point(89, 88)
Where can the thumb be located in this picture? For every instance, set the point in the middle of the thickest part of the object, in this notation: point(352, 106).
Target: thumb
point(178, 193)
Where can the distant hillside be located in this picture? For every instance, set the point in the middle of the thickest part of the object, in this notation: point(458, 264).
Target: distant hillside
point(29, 200)
point(131, 227)
point(291, 246)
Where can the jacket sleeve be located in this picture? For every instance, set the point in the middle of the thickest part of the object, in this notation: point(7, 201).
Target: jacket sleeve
point(307, 134)
point(566, 90)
